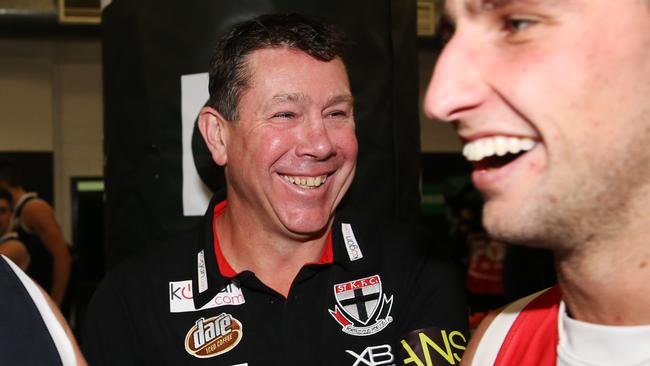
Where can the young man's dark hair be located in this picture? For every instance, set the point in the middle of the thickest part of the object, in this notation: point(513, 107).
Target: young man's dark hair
point(228, 74)
point(9, 173)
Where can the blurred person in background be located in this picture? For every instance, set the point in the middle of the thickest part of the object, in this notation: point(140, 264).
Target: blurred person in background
point(10, 245)
point(34, 221)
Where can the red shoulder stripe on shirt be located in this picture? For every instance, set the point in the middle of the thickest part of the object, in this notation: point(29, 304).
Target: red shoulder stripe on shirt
point(533, 337)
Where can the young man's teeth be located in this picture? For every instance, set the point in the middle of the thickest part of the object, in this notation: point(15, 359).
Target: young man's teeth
point(306, 182)
point(498, 145)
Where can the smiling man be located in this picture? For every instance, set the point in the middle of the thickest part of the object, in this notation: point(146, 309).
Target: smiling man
point(550, 99)
point(278, 275)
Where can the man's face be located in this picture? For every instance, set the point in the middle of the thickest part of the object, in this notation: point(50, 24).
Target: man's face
point(5, 216)
point(561, 88)
point(291, 156)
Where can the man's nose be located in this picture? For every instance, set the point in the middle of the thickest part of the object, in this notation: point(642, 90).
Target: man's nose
point(316, 139)
point(457, 84)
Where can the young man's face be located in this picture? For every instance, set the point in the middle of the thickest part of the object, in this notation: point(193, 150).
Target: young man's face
point(5, 216)
point(291, 156)
point(565, 85)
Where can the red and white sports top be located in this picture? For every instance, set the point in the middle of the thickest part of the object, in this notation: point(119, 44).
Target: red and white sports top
point(525, 333)
point(536, 330)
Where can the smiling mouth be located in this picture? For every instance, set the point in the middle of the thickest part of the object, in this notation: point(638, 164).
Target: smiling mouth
point(306, 182)
point(496, 151)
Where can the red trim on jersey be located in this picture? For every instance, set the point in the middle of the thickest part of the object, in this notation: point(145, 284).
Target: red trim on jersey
point(226, 269)
point(533, 337)
point(328, 255)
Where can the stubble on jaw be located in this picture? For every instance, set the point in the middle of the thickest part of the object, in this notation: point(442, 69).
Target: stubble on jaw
point(591, 207)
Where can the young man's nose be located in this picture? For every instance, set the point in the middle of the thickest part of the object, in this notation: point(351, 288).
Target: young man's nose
point(457, 84)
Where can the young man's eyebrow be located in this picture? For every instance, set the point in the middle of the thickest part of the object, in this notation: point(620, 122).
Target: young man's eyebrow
point(476, 6)
point(471, 7)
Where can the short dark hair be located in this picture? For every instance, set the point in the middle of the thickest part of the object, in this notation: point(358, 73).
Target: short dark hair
point(228, 74)
point(10, 173)
point(6, 195)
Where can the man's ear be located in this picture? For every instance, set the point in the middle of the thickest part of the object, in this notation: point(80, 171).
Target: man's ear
point(213, 130)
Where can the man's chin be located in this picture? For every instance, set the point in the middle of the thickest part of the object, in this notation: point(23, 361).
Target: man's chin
point(505, 225)
point(306, 228)
point(516, 231)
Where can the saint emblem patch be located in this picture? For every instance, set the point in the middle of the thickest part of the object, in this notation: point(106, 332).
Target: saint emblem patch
point(361, 306)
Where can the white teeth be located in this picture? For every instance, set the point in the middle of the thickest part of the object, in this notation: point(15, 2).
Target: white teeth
point(513, 145)
point(500, 146)
point(496, 145)
point(306, 182)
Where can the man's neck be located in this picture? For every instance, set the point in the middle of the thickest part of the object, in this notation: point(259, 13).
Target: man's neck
point(275, 259)
point(609, 282)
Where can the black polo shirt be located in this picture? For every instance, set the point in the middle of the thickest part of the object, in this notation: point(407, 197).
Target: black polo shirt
point(376, 297)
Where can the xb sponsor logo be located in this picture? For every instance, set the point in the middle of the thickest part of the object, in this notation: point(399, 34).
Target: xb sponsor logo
point(362, 308)
point(374, 356)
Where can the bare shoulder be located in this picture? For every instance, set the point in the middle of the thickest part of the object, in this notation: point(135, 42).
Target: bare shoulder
point(15, 250)
point(37, 207)
point(38, 215)
point(476, 337)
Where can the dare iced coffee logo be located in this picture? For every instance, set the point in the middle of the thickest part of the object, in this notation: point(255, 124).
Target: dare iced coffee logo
point(213, 336)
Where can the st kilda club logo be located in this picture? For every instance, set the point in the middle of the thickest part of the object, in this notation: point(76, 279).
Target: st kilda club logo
point(213, 336)
point(361, 306)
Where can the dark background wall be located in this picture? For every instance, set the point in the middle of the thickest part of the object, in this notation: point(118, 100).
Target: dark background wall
point(36, 169)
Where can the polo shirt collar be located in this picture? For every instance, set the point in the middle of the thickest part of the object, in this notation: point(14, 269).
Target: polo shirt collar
point(350, 243)
point(207, 280)
point(213, 273)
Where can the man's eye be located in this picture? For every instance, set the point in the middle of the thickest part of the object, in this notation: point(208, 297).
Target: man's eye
point(512, 24)
point(337, 114)
point(284, 115)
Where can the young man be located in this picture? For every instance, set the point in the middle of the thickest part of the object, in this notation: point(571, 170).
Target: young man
point(10, 245)
point(551, 101)
point(277, 276)
point(34, 221)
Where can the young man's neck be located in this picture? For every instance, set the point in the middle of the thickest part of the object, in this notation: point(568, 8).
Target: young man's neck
point(608, 282)
point(275, 259)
